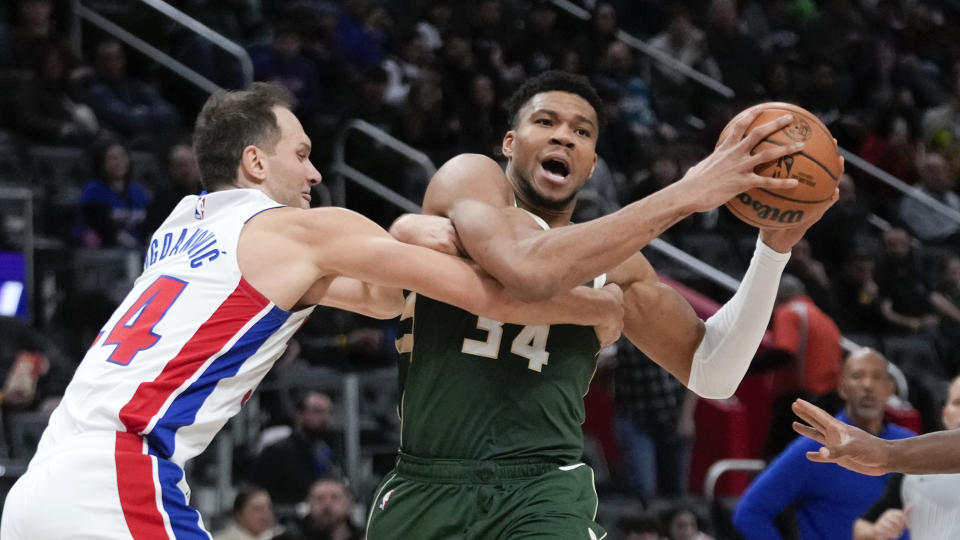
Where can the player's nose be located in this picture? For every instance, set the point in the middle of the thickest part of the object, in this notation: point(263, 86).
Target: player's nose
point(562, 136)
point(314, 176)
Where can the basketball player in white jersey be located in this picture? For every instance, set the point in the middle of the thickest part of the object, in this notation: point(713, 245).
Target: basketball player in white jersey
point(228, 278)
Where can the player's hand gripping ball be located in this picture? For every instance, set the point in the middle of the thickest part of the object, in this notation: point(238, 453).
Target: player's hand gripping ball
point(817, 169)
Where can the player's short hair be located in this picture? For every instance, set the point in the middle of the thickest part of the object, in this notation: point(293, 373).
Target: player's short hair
point(232, 120)
point(550, 81)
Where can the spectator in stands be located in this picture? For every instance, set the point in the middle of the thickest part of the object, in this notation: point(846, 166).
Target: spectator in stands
point(827, 499)
point(112, 205)
point(132, 108)
point(935, 180)
point(810, 340)
point(811, 337)
point(859, 298)
point(362, 31)
point(538, 47)
point(681, 523)
point(941, 123)
point(329, 516)
point(437, 24)
point(654, 424)
point(423, 125)
point(892, 145)
point(480, 118)
point(35, 32)
point(602, 32)
point(638, 527)
point(926, 505)
point(619, 78)
point(405, 67)
point(183, 178)
point(282, 61)
point(47, 108)
point(737, 53)
point(906, 305)
point(946, 301)
point(287, 467)
point(686, 44)
point(813, 274)
point(252, 517)
point(842, 230)
point(32, 373)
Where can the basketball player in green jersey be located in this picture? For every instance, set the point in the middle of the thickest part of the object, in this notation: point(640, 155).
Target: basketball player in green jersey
point(491, 412)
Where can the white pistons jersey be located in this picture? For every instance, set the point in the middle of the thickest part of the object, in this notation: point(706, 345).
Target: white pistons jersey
point(188, 344)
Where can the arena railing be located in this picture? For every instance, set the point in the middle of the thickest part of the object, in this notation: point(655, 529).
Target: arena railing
point(246, 65)
point(719, 88)
point(342, 170)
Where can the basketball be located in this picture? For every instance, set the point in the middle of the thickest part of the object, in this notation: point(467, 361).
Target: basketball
point(817, 168)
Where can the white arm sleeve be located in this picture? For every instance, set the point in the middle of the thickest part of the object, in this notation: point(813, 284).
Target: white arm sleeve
point(734, 332)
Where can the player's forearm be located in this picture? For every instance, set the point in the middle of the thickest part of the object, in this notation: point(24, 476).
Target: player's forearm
point(582, 306)
point(538, 266)
point(932, 453)
point(734, 332)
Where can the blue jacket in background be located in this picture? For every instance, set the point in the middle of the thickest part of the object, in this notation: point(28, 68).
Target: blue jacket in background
point(827, 497)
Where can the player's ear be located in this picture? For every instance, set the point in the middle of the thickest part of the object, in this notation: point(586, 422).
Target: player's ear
point(252, 164)
point(593, 167)
point(507, 145)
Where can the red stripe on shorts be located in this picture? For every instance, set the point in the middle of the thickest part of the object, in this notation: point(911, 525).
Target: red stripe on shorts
point(138, 492)
point(243, 304)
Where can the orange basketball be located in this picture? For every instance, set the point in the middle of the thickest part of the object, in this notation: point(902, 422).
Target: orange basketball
point(817, 168)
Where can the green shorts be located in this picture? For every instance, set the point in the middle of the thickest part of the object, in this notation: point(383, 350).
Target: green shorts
point(426, 499)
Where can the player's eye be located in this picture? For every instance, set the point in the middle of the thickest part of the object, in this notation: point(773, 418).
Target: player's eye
point(582, 132)
point(543, 121)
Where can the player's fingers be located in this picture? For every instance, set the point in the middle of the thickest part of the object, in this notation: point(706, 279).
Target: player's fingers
point(774, 153)
point(809, 432)
point(813, 415)
point(763, 131)
point(843, 164)
point(739, 127)
point(815, 456)
point(769, 182)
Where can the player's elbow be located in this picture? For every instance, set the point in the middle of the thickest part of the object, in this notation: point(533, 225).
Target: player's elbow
point(528, 286)
point(715, 393)
point(385, 312)
point(385, 303)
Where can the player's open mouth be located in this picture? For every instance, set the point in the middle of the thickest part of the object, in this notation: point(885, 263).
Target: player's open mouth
point(555, 170)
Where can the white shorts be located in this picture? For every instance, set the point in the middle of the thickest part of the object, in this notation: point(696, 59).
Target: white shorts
point(104, 486)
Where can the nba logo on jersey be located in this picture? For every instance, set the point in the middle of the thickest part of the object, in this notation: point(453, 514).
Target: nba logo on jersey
point(201, 203)
point(386, 499)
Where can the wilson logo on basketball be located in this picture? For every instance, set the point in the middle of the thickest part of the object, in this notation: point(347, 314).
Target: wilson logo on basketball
point(769, 213)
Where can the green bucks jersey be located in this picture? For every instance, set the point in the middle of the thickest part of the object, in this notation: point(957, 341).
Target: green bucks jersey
point(475, 388)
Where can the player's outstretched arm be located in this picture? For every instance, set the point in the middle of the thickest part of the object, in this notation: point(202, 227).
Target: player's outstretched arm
point(710, 357)
point(357, 296)
point(857, 450)
point(535, 266)
point(344, 243)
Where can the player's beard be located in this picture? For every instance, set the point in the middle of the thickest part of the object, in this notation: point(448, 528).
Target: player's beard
point(534, 198)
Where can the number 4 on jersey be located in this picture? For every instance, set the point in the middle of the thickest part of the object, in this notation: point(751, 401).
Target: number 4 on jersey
point(530, 343)
point(134, 331)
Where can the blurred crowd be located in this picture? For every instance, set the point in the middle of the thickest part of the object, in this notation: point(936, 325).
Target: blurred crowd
point(101, 135)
